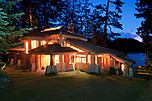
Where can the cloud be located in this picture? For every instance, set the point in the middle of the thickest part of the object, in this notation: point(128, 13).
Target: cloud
point(131, 35)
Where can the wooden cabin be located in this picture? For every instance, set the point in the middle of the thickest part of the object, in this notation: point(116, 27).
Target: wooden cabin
point(66, 50)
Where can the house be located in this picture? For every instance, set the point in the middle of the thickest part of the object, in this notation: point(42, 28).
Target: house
point(66, 50)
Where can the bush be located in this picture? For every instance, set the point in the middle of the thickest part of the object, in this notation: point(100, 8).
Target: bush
point(120, 72)
point(52, 73)
point(1, 64)
point(112, 71)
point(3, 74)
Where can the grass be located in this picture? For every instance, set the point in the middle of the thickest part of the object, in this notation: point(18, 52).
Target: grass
point(75, 86)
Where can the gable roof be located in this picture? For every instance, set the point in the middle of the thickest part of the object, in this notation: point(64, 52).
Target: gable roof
point(51, 49)
point(52, 31)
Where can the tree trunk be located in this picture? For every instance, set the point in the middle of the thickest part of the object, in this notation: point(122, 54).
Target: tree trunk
point(105, 26)
point(45, 16)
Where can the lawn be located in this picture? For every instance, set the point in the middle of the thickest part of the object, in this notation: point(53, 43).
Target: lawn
point(75, 86)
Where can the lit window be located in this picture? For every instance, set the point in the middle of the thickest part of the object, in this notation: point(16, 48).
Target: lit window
point(33, 44)
point(56, 59)
point(26, 48)
point(43, 42)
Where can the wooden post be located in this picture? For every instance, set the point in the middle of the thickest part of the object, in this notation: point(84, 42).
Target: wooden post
point(119, 65)
point(60, 61)
point(93, 62)
point(86, 62)
point(114, 61)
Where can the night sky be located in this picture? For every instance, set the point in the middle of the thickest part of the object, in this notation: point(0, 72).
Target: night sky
point(129, 21)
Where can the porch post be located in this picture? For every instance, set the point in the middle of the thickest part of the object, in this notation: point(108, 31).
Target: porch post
point(114, 61)
point(86, 62)
point(93, 62)
point(60, 61)
point(119, 65)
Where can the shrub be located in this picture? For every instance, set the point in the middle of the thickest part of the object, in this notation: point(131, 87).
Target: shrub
point(1, 63)
point(52, 73)
point(120, 72)
point(112, 71)
point(3, 74)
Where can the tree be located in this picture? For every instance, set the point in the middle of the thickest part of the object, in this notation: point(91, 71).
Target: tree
point(111, 19)
point(8, 31)
point(144, 8)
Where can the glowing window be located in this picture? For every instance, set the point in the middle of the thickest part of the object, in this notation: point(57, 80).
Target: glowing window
point(56, 59)
point(26, 48)
point(43, 42)
point(33, 44)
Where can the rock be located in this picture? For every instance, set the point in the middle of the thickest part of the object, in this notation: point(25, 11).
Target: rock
point(4, 80)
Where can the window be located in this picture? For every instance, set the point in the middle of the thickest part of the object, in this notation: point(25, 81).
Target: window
point(43, 42)
point(34, 44)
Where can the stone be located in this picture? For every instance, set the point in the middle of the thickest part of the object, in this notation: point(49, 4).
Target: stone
point(48, 70)
point(97, 68)
point(56, 70)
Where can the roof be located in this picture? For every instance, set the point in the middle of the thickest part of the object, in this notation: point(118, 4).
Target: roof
point(17, 49)
point(51, 49)
point(93, 48)
point(52, 31)
point(99, 49)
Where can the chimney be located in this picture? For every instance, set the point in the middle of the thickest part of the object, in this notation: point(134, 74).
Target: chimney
point(71, 27)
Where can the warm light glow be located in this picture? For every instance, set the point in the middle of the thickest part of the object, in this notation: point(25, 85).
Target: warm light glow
point(68, 45)
point(89, 57)
point(81, 55)
point(50, 42)
point(43, 42)
point(76, 49)
point(33, 44)
point(45, 60)
point(96, 58)
point(50, 29)
point(56, 59)
point(26, 48)
point(122, 67)
point(99, 55)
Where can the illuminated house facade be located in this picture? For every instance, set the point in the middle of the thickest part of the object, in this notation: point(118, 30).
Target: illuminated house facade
point(66, 50)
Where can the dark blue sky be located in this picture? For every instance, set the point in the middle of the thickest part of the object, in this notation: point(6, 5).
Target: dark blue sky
point(129, 21)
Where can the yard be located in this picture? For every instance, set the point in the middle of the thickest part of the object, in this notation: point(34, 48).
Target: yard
point(73, 86)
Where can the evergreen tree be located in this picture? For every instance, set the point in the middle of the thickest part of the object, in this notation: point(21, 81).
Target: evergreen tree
point(144, 8)
point(111, 19)
point(9, 32)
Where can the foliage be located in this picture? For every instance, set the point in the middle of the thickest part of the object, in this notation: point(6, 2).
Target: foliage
point(1, 63)
point(112, 71)
point(144, 8)
point(150, 57)
point(9, 33)
point(3, 74)
point(120, 72)
point(52, 73)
